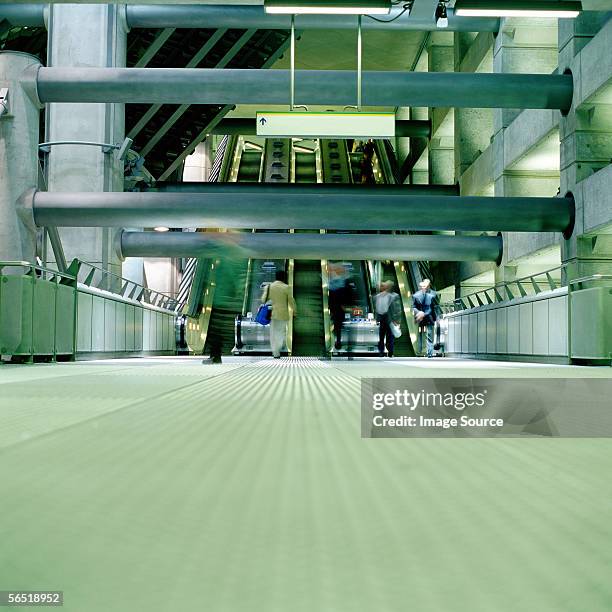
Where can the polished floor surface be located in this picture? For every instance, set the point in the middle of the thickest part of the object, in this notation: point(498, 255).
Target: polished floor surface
point(162, 484)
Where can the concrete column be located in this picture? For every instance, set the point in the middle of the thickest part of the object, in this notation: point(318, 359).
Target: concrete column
point(18, 156)
point(586, 146)
point(441, 58)
point(522, 45)
point(473, 126)
point(93, 36)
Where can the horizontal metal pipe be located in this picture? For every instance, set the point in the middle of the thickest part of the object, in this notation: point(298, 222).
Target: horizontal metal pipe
point(408, 128)
point(187, 15)
point(312, 246)
point(254, 16)
point(30, 15)
point(203, 187)
point(334, 207)
point(313, 87)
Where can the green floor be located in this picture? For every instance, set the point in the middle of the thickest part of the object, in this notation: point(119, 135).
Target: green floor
point(167, 485)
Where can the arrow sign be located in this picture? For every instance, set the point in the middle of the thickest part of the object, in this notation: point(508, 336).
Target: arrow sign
point(330, 125)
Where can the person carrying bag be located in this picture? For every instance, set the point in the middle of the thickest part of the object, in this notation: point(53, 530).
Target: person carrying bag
point(264, 312)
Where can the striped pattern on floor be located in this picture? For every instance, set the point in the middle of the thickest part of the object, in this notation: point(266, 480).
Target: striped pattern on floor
point(162, 484)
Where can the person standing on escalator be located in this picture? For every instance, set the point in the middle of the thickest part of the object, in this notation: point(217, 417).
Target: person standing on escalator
point(388, 310)
point(423, 308)
point(341, 298)
point(279, 295)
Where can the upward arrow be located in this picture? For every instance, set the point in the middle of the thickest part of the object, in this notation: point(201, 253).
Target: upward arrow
point(262, 121)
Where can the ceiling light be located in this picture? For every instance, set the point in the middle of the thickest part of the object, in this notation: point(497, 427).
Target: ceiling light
point(328, 7)
point(517, 8)
point(161, 229)
point(441, 15)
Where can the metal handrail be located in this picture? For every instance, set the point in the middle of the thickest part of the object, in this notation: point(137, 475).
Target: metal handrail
point(33, 268)
point(106, 147)
point(523, 285)
point(126, 288)
point(593, 277)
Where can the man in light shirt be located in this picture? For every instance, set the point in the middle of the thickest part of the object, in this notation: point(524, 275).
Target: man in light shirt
point(279, 294)
point(388, 310)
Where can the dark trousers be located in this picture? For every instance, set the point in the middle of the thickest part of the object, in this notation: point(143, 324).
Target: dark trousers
point(337, 317)
point(385, 334)
point(426, 332)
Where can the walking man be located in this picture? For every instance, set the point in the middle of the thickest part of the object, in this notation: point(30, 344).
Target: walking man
point(279, 294)
point(423, 308)
point(388, 310)
point(341, 297)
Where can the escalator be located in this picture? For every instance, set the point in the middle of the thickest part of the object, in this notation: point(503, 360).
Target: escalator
point(250, 336)
point(308, 326)
point(282, 161)
point(404, 344)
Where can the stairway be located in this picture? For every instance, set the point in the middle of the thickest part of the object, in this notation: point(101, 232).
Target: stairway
point(308, 332)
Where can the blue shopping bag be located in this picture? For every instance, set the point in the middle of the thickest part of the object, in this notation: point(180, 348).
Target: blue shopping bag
point(264, 314)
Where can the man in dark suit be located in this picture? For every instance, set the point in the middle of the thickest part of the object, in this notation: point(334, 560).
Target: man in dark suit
point(423, 308)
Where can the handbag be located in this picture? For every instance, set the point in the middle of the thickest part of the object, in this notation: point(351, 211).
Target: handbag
point(396, 330)
point(264, 312)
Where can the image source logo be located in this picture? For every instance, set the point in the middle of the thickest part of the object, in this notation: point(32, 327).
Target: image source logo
point(485, 407)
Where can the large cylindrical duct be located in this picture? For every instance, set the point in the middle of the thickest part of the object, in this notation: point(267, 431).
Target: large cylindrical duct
point(332, 207)
point(252, 16)
point(204, 187)
point(311, 246)
point(312, 87)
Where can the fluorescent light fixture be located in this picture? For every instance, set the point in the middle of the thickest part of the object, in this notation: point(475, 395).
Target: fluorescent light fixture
point(161, 229)
point(518, 8)
point(328, 7)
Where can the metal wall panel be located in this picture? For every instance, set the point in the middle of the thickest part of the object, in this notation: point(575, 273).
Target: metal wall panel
point(491, 328)
point(526, 329)
point(130, 327)
point(138, 329)
point(501, 330)
point(97, 324)
point(450, 335)
point(557, 326)
point(84, 319)
point(472, 333)
point(540, 327)
point(513, 329)
point(64, 319)
point(109, 325)
point(481, 318)
point(120, 328)
point(146, 327)
point(465, 331)
point(159, 341)
point(43, 321)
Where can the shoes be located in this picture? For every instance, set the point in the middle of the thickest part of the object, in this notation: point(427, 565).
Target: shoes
point(381, 354)
point(211, 361)
point(276, 356)
point(337, 345)
point(390, 355)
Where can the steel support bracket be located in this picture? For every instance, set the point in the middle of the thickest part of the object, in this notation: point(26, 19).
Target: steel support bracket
point(5, 109)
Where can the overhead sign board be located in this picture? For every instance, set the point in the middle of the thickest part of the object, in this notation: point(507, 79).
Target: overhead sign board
point(328, 125)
